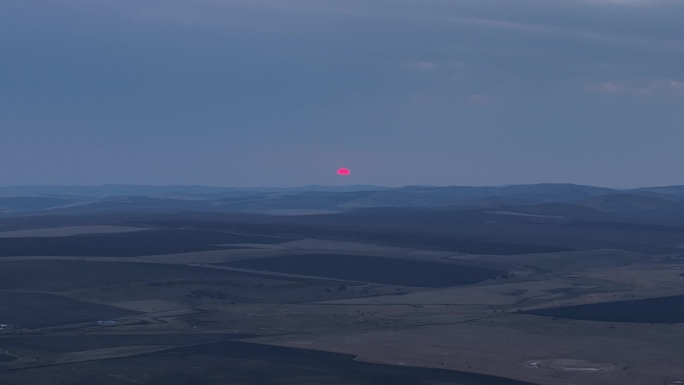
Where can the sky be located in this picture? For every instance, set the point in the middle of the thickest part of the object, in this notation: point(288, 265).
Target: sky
point(283, 93)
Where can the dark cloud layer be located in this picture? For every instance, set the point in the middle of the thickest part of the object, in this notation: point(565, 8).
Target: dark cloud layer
point(266, 92)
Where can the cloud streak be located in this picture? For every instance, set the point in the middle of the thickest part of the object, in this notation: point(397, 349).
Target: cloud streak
point(675, 45)
point(641, 87)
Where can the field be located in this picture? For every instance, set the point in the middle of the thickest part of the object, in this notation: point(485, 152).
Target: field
point(324, 228)
point(63, 275)
point(129, 244)
point(206, 298)
point(652, 310)
point(366, 268)
point(37, 310)
point(70, 343)
point(245, 363)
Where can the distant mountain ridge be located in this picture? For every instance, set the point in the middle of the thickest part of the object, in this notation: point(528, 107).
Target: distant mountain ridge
point(533, 199)
point(108, 190)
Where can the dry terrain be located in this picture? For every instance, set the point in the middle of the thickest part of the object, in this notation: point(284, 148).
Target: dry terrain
point(235, 298)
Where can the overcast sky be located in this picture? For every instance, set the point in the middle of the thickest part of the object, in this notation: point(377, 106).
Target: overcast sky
point(284, 92)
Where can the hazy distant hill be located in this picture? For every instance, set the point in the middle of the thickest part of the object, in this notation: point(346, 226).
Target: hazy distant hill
point(31, 203)
point(629, 202)
point(669, 190)
point(109, 190)
point(561, 200)
point(516, 194)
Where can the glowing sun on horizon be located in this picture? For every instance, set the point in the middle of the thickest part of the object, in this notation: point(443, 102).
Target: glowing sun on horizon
point(343, 171)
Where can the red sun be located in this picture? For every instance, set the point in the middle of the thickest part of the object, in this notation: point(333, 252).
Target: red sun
point(343, 171)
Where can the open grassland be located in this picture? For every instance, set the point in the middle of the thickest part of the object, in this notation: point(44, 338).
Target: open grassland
point(652, 310)
point(68, 230)
point(415, 238)
point(243, 363)
point(69, 343)
point(373, 269)
point(506, 344)
point(129, 244)
point(36, 310)
point(64, 275)
point(411, 315)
